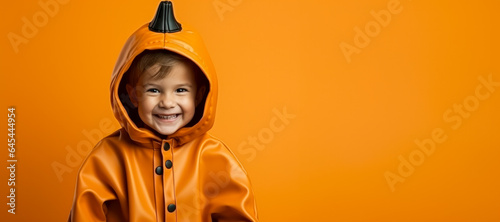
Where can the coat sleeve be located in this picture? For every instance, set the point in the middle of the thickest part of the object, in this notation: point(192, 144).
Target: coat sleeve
point(228, 188)
point(94, 190)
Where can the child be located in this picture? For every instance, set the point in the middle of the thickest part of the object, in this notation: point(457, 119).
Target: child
point(162, 165)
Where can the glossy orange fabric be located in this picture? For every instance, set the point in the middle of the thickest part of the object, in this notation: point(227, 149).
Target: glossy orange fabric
point(118, 179)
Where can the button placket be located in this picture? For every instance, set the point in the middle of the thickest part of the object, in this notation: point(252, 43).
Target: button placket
point(158, 182)
point(168, 180)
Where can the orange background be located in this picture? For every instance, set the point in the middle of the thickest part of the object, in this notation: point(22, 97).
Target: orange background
point(353, 123)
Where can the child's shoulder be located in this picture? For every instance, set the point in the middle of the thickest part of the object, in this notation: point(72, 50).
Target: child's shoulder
point(113, 143)
point(217, 151)
point(208, 140)
point(117, 137)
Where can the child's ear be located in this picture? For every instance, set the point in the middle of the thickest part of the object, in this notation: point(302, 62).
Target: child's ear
point(132, 94)
point(199, 95)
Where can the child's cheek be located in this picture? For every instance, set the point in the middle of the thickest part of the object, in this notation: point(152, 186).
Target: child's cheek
point(188, 100)
point(141, 97)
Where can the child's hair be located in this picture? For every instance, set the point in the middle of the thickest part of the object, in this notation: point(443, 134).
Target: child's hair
point(166, 59)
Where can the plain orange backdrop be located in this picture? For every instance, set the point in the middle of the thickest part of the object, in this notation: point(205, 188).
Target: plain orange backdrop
point(356, 114)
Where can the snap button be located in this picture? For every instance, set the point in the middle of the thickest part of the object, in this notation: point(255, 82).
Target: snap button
point(171, 208)
point(168, 164)
point(166, 146)
point(159, 170)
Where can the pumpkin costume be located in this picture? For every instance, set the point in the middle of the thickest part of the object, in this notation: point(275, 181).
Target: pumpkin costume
point(136, 175)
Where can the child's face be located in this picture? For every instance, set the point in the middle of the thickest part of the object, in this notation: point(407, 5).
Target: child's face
point(168, 104)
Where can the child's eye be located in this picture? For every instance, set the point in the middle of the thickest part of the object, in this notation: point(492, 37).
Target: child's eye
point(179, 90)
point(153, 90)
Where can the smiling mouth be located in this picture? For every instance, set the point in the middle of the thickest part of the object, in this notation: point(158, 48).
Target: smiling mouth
point(167, 117)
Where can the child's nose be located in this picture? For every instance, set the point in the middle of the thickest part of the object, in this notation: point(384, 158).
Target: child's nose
point(167, 102)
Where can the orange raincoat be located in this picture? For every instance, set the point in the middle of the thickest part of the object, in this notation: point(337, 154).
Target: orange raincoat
point(134, 175)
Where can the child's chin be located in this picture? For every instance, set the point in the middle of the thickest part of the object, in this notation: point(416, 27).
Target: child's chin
point(162, 131)
point(166, 132)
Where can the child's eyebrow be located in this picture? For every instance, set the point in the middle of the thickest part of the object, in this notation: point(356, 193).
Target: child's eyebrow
point(150, 84)
point(184, 84)
point(178, 85)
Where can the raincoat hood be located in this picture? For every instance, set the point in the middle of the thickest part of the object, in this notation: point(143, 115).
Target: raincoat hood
point(164, 32)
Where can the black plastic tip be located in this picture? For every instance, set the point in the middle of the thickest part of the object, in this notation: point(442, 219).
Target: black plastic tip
point(164, 20)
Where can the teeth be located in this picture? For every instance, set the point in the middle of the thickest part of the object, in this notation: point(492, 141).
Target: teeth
point(167, 117)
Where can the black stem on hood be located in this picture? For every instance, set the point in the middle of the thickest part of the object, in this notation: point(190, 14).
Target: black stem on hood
point(164, 20)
